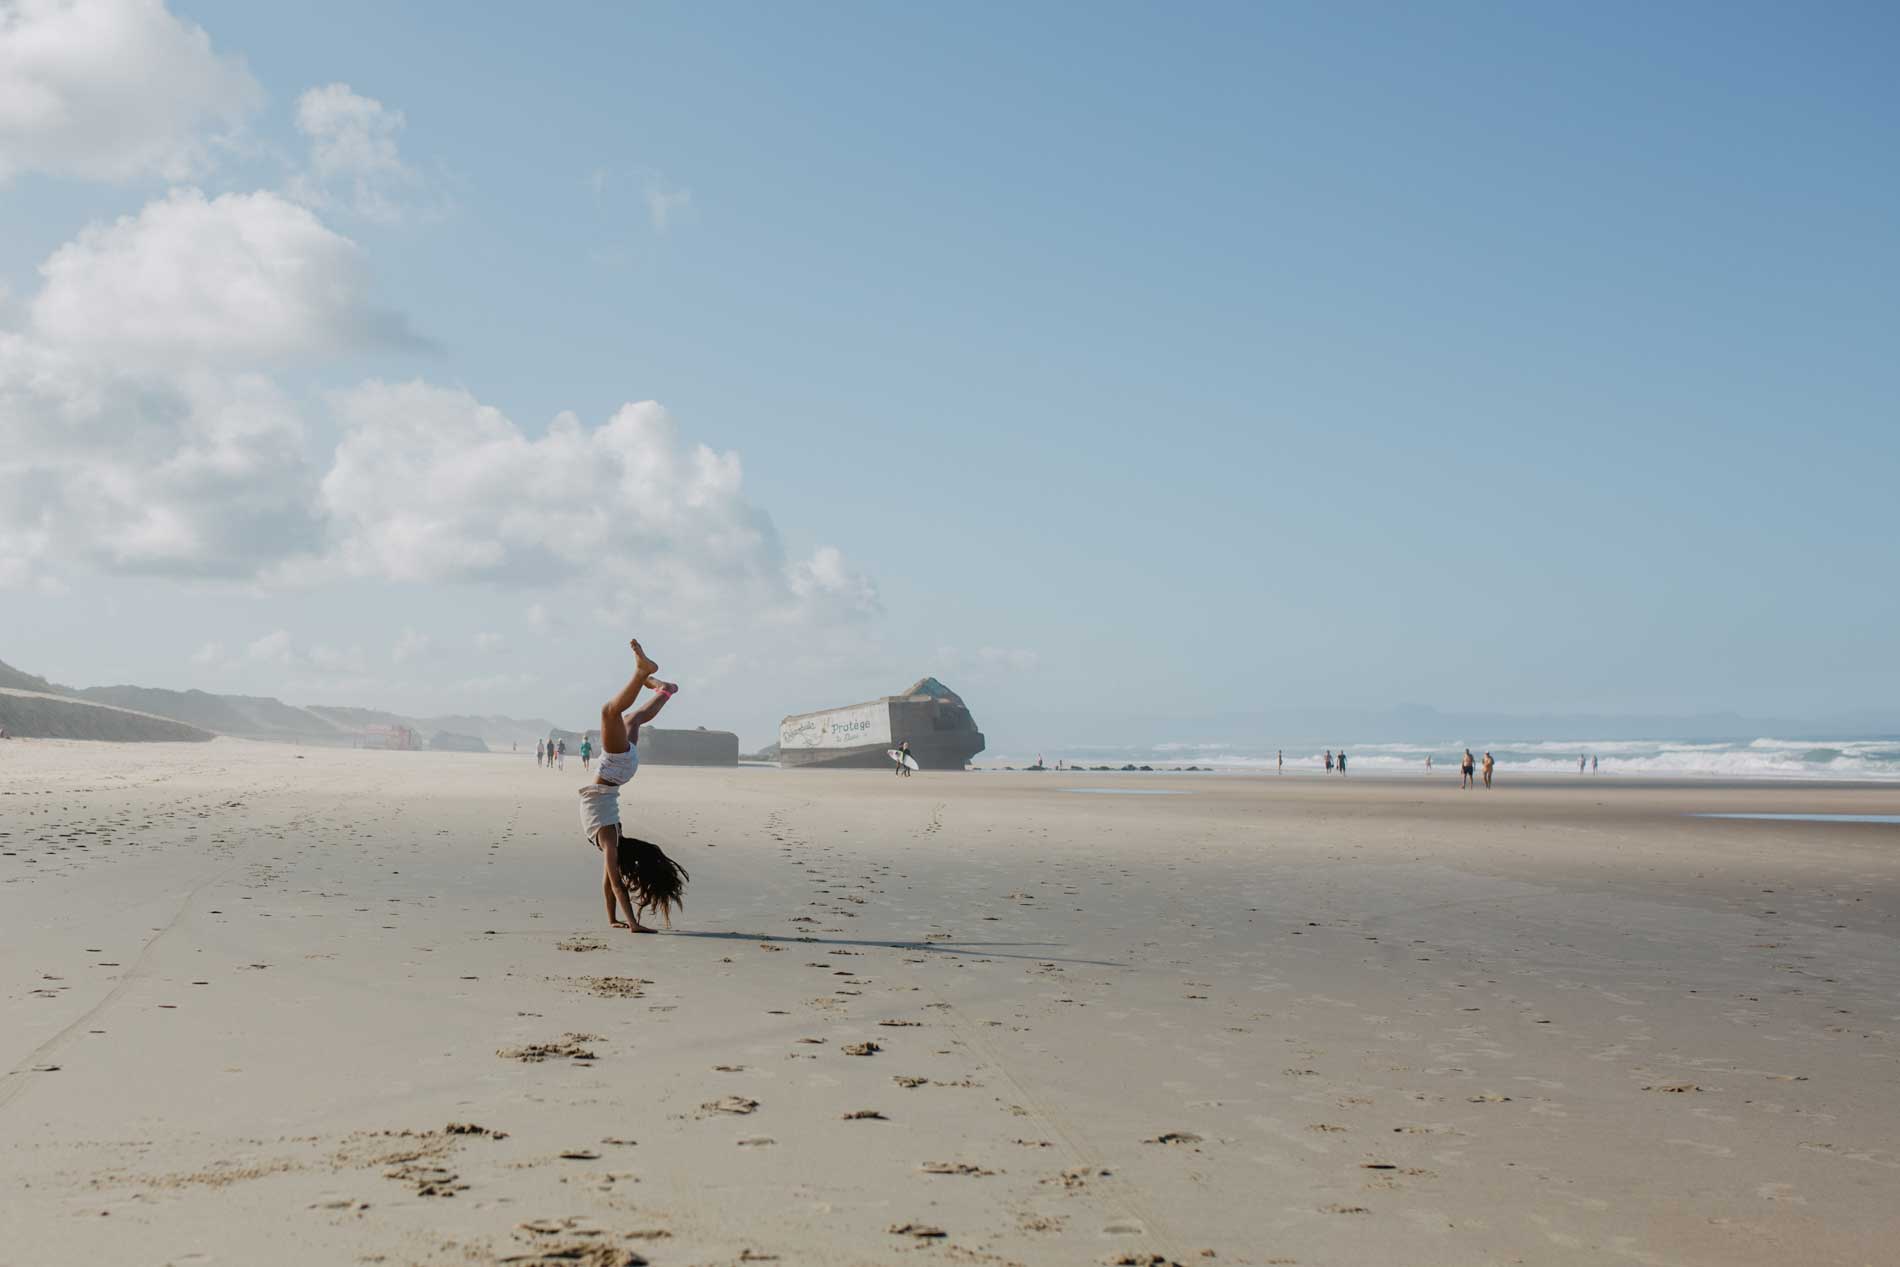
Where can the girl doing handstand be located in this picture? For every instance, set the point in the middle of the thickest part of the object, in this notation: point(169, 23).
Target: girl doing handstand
point(635, 875)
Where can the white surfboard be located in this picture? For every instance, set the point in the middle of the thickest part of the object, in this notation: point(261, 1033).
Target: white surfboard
point(903, 758)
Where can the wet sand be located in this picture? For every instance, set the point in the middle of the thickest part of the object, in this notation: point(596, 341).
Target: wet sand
point(261, 1003)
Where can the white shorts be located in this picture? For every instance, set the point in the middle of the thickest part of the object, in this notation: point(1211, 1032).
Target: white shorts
point(600, 807)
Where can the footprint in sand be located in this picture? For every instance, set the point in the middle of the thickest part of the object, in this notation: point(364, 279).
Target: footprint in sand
point(923, 1231)
point(737, 1105)
point(570, 1046)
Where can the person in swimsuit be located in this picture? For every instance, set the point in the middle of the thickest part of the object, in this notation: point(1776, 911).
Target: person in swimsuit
point(1470, 763)
point(635, 874)
point(1488, 764)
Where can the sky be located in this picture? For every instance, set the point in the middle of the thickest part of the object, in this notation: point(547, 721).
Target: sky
point(1124, 366)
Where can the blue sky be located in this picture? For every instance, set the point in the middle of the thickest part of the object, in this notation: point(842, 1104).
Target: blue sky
point(1146, 363)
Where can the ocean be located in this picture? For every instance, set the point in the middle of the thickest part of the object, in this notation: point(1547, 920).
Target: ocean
point(1876, 759)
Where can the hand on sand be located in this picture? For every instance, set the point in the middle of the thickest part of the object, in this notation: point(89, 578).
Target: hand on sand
point(619, 923)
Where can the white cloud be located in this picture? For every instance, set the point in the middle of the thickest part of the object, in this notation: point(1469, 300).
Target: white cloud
point(241, 278)
point(429, 484)
point(408, 646)
point(211, 653)
point(665, 202)
point(537, 617)
point(493, 684)
point(337, 660)
point(354, 157)
point(114, 90)
point(826, 578)
point(272, 648)
point(489, 643)
point(187, 474)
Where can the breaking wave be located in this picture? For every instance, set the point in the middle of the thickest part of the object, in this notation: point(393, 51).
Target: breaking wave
point(1762, 758)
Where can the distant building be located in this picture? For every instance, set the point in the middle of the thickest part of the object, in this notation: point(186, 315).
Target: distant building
point(688, 747)
point(665, 747)
point(942, 734)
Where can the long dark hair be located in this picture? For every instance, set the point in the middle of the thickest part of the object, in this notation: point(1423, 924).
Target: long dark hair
point(654, 881)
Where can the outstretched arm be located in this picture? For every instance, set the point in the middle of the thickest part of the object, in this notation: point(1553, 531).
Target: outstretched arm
point(613, 885)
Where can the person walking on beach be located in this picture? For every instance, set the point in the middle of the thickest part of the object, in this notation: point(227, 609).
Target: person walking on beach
point(1593, 763)
point(538, 751)
point(1580, 763)
point(1428, 763)
point(1279, 757)
point(904, 758)
point(1487, 770)
point(587, 751)
point(1465, 769)
point(560, 753)
point(1329, 760)
point(636, 875)
point(1342, 760)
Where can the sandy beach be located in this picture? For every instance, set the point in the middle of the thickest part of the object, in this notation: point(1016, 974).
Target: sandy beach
point(303, 1005)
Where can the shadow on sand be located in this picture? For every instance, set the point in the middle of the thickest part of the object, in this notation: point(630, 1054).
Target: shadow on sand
point(958, 947)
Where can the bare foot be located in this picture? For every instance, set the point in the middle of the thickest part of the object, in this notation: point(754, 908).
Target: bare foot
point(664, 688)
point(647, 664)
point(619, 923)
point(638, 927)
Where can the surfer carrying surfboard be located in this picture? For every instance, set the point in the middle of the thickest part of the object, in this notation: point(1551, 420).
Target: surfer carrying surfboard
point(636, 875)
point(904, 763)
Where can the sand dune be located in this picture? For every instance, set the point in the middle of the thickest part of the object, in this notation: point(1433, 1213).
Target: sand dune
point(34, 714)
point(339, 1006)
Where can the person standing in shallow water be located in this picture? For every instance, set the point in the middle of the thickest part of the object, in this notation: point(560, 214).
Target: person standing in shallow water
point(1342, 760)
